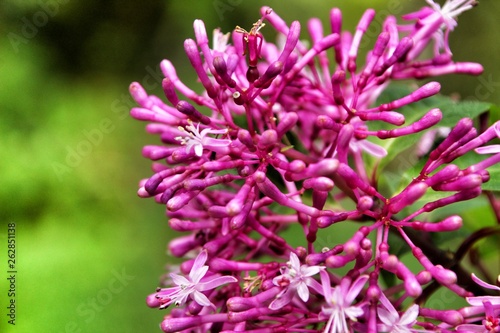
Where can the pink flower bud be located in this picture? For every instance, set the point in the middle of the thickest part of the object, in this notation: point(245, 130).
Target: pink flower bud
point(268, 139)
point(180, 200)
point(221, 69)
point(461, 196)
point(148, 115)
point(171, 325)
point(353, 180)
point(239, 304)
point(338, 261)
point(140, 95)
point(337, 79)
point(194, 57)
point(430, 119)
point(287, 122)
point(399, 54)
point(325, 167)
point(447, 173)
point(169, 90)
point(424, 277)
point(269, 75)
point(425, 91)
point(408, 197)
point(326, 221)
point(192, 113)
point(390, 117)
point(179, 246)
point(363, 24)
point(451, 223)
point(451, 317)
point(184, 225)
point(364, 203)
point(318, 184)
point(462, 183)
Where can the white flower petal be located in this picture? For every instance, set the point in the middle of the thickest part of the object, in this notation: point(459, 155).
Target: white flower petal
point(493, 149)
point(386, 317)
point(484, 284)
point(410, 316)
point(198, 149)
point(179, 280)
point(201, 299)
point(303, 291)
point(197, 275)
point(478, 300)
point(355, 288)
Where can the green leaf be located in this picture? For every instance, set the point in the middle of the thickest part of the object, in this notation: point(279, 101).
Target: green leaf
point(454, 111)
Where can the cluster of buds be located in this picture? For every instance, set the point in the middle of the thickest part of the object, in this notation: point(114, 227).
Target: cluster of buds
point(278, 140)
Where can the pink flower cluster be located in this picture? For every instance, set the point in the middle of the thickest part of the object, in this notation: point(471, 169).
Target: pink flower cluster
point(280, 138)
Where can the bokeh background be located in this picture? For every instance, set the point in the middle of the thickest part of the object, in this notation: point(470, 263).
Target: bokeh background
point(88, 249)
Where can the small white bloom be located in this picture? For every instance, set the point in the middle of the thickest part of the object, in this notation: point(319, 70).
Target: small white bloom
point(451, 9)
point(220, 41)
point(192, 286)
point(339, 301)
point(391, 321)
point(199, 140)
point(297, 278)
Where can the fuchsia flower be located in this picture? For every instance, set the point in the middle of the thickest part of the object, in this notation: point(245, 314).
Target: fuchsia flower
point(283, 140)
point(490, 306)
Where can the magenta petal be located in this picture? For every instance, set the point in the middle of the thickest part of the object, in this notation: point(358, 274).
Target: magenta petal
point(493, 149)
point(310, 271)
point(372, 148)
point(282, 299)
point(215, 282)
point(410, 316)
point(355, 288)
point(484, 284)
point(179, 279)
point(198, 274)
point(470, 328)
point(386, 317)
point(199, 261)
point(392, 313)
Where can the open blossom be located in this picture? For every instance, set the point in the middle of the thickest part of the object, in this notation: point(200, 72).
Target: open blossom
point(339, 301)
point(392, 322)
point(283, 140)
point(297, 279)
point(490, 306)
point(451, 9)
point(198, 141)
point(192, 286)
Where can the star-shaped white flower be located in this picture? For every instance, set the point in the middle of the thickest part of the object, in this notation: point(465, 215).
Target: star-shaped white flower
point(296, 279)
point(451, 9)
point(192, 286)
point(199, 140)
point(220, 41)
point(391, 321)
point(339, 301)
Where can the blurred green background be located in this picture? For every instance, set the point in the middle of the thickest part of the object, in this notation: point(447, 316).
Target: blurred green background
point(88, 249)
